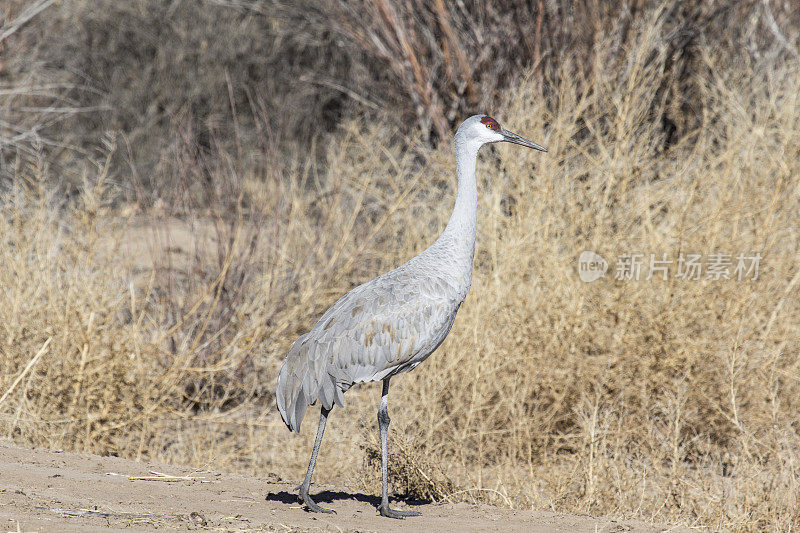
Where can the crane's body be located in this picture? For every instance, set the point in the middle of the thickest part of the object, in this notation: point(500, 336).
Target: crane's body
point(385, 326)
point(392, 323)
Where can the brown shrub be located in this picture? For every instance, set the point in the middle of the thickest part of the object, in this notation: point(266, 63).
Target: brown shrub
point(260, 79)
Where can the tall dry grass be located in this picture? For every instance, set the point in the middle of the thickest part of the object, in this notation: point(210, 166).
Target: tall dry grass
point(670, 400)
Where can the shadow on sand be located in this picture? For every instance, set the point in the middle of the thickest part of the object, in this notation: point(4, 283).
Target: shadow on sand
point(328, 496)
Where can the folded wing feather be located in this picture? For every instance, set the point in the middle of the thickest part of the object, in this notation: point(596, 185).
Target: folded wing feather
point(381, 328)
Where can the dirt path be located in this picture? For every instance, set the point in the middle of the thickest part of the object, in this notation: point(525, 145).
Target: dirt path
point(42, 490)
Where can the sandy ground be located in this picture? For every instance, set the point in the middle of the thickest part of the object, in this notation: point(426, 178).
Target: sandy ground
point(44, 490)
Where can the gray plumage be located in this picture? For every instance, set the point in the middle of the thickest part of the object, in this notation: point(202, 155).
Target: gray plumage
point(379, 329)
point(392, 323)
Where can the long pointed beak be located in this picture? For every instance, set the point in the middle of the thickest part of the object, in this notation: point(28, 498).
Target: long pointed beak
point(516, 139)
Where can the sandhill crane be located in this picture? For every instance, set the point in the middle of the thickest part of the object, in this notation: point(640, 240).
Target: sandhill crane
point(391, 324)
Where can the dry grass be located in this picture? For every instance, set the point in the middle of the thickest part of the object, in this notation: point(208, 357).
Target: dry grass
point(667, 400)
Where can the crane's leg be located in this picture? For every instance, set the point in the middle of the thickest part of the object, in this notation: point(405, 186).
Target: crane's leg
point(383, 424)
point(323, 417)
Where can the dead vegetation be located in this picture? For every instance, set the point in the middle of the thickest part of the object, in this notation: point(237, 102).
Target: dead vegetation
point(666, 400)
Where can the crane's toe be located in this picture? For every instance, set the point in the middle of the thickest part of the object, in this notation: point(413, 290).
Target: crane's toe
point(396, 513)
point(312, 506)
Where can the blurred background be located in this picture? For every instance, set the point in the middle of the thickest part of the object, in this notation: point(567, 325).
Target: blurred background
point(187, 185)
point(262, 79)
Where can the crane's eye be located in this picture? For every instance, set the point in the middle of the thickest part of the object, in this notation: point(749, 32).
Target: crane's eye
point(490, 123)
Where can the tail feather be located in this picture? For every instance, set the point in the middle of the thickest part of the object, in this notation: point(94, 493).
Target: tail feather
point(326, 393)
point(300, 406)
point(301, 382)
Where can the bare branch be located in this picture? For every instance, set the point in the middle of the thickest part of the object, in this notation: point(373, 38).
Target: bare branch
point(776, 31)
point(34, 9)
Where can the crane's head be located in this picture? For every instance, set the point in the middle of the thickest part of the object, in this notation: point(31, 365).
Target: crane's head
point(482, 129)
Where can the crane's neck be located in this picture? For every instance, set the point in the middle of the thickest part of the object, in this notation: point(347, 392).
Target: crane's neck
point(462, 224)
point(455, 248)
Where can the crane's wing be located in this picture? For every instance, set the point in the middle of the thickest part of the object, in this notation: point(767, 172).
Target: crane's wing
point(384, 327)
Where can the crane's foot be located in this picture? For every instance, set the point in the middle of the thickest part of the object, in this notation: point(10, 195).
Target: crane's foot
point(396, 513)
point(312, 506)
